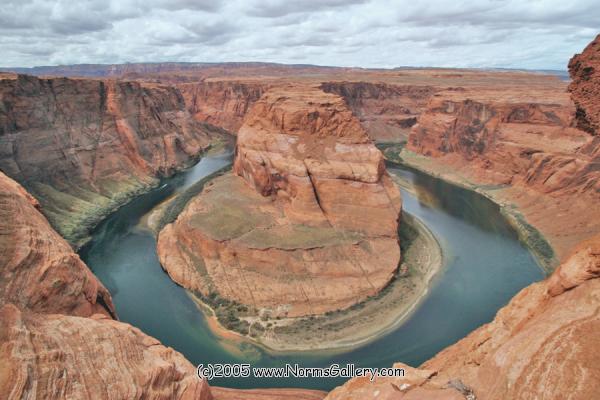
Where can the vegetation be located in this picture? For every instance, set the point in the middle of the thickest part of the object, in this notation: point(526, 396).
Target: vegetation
point(175, 207)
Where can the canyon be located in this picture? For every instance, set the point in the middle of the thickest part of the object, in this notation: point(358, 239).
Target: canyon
point(304, 149)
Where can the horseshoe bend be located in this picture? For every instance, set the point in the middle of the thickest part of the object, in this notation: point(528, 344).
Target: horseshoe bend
point(155, 217)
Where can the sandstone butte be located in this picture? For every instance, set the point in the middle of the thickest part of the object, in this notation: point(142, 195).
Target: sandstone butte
point(543, 344)
point(308, 221)
point(83, 147)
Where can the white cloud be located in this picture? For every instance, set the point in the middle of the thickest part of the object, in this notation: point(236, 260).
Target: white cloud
point(376, 33)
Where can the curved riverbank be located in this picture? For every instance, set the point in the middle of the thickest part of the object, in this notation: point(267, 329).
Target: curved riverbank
point(362, 323)
point(533, 238)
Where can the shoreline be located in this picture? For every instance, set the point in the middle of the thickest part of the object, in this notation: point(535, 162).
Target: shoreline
point(360, 324)
point(532, 237)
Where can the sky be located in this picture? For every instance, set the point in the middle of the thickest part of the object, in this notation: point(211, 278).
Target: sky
point(532, 34)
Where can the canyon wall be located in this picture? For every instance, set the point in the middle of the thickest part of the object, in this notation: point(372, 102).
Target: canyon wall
point(306, 224)
point(221, 103)
point(57, 338)
point(83, 147)
point(386, 111)
point(521, 146)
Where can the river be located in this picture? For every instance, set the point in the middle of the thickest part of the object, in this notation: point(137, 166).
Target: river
point(484, 266)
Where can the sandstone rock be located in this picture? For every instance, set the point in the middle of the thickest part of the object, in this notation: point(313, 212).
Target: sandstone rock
point(309, 224)
point(38, 269)
point(56, 357)
point(219, 393)
point(221, 103)
point(522, 142)
point(386, 111)
point(584, 69)
point(83, 147)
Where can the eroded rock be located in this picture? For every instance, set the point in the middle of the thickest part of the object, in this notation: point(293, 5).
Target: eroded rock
point(306, 224)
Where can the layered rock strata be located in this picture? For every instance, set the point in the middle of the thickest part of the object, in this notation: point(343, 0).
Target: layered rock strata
point(83, 147)
point(39, 271)
point(56, 357)
point(306, 224)
point(221, 103)
point(386, 111)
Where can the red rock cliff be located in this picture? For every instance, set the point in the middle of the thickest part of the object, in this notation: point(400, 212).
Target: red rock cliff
point(38, 269)
point(83, 147)
point(221, 103)
point(585, 87)
point(386, 111)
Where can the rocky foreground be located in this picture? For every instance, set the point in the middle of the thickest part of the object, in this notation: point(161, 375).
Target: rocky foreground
point(308, 221)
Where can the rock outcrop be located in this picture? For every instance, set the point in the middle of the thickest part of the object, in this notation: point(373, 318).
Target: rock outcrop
point(56, 357)
point(39, 271)
point(584, 69)
point(83, 147)
point(306, 224)
point(544, 344)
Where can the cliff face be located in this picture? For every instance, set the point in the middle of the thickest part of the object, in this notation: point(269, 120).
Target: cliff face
point(544, 344)
point(83, 147)
point(584, 69)
point(510, 140)
point(38, 269)
point(307, 224)
point(221, 103)
point(386, 111)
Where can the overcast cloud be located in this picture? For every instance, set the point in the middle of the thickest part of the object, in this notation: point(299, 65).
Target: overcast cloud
point(536, 34)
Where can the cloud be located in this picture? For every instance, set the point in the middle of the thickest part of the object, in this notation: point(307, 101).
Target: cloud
point(280, 8)
point(368, 33)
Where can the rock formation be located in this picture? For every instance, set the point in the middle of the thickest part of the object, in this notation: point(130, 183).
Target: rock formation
point(83, 147)
point(386, 111)
point(38, 269)
point(544, 344)
point(58, 357)
point(221, 103)
point(307, 224)
point(585, 87)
